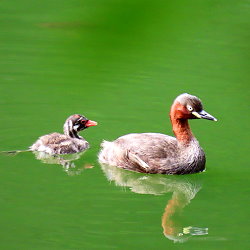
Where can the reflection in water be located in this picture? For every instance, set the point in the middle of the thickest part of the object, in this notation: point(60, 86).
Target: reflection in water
point(67, 161)
point(171, 225)
point(184, 189)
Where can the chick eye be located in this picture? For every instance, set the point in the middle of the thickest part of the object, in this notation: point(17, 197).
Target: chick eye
point(189, 108)
point(83, 122)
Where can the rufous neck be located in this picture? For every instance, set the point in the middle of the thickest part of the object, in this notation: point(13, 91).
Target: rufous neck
point(182, 130)
point(180, 125)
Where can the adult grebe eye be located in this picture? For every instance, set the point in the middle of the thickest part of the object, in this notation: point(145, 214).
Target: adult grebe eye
point(190, 108)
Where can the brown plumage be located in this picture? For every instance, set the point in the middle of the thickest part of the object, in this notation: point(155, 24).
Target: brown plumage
point(67, 143)
point(159, 153)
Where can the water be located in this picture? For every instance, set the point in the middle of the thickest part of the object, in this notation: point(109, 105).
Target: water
point(122, 63)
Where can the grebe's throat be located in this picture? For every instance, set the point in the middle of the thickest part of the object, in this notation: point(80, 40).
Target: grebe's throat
point(182, 130)
point(68, 129)
point(180, 124)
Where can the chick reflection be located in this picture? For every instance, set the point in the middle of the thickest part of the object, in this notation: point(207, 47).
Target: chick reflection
point(67, 161)
point(184, 189)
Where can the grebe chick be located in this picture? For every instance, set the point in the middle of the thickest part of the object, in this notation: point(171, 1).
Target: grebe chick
point(69, 142)
point(160, 153)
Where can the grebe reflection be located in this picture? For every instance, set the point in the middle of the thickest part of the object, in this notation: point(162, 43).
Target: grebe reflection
point(68, 162)
point(183, 189)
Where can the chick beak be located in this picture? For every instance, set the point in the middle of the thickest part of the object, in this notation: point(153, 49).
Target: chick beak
point(90, 123)
point(204, 115)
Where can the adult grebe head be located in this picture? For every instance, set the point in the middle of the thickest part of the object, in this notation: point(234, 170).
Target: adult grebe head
point(187, 106)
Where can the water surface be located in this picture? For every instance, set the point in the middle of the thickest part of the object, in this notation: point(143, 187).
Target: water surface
point(122, 63)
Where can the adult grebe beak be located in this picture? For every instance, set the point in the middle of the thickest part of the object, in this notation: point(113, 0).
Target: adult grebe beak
point(204, 115)
point(90, 123)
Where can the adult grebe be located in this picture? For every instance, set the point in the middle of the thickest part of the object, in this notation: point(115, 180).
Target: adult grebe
point(160, 153)
point(69, 142)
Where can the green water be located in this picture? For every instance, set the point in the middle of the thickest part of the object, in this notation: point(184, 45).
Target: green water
point(121, 63)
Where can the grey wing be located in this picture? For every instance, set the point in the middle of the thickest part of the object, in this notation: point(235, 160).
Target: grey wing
point(54, 138)
point(149, 145)
point(45, 140)
point(62, 144)
point(56, 143)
